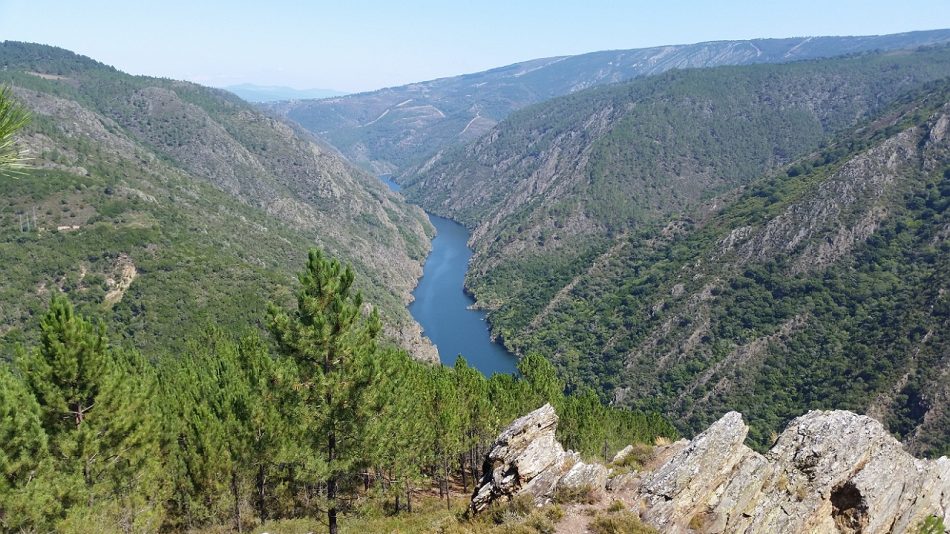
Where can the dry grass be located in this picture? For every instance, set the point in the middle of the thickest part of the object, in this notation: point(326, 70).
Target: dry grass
point(581, 495)
point(619, 523)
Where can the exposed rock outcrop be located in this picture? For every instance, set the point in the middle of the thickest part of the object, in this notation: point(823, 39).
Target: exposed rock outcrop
point(526, 458)
point(830, 471)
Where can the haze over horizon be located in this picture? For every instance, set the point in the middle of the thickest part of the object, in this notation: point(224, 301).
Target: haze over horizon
point(219, 43)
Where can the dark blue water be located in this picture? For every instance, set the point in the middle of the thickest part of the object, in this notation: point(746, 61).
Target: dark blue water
point(388, 180)
point(442, 307)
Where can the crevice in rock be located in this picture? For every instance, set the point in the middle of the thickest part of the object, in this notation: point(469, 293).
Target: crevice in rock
point(848, 508)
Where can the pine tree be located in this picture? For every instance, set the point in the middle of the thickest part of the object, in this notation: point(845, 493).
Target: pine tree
point(67, 372)
point(213, 434)
point(447, 425)
point(583, 422)
point(401, 434)
point(12, 118)
point(27, 499)
point(541, 377)
point(268, 429)
point(334, 347)
point(97, 409)
point(478, 419)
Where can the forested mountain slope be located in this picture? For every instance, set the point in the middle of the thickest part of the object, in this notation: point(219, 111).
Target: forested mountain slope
point(391, 129)
point(173, 204)
point(577, 257)
point(821, 289)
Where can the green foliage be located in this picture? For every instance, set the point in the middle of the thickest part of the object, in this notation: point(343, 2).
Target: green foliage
point(13, 117)
point(233, 431)
point(619, 523)
point(96, 452)
point(24, 457)
point(541, 377)
point(225, 427)
point(66, 371)
point(334, 348)
point(931, 525)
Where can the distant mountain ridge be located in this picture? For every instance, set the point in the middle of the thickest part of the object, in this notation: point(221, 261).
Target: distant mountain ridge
point(274, 93)
point(391, 129)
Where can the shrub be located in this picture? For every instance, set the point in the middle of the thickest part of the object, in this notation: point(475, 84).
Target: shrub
point(581, 494)
point(540, 522)
point(554, 512)
point(622, 523)
point(931, 525)
point(638, 457)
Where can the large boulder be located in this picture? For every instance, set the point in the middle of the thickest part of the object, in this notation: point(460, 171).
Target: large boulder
point(522, 452)
point(830, 471)
point(526, 459)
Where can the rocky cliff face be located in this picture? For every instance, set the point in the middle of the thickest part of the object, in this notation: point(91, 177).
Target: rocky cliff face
point(829, 471)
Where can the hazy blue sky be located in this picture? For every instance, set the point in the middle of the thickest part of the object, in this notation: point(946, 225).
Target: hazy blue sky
point(356, 45)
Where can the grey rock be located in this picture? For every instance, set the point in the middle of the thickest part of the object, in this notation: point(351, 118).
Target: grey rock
point(677, 488)
point(624, 482)
point(830, 471)
point(582, 476)
point(526, 459)
point(522, 452)
point(622, 453)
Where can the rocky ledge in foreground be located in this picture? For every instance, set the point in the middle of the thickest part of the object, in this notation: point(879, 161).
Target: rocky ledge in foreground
point(527, 459)
point(830, 471)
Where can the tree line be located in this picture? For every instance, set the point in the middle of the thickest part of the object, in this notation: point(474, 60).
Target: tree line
point(239, 429)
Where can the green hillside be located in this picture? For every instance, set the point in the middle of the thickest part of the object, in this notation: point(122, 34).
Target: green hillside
point(818, 289)
point(560, 192)
point(168, 205)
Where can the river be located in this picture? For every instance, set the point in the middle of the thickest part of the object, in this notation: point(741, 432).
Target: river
point(442, 307)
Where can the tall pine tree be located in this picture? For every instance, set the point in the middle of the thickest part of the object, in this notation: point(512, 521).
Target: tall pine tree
point(97, 409)
point(334, 346)
point(27, 499)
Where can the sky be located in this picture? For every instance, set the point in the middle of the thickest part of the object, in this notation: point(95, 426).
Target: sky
point(359, 45)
